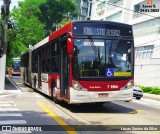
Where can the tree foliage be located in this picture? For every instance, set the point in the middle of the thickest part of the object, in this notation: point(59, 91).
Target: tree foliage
point(26, 29)
point(29, 29)
point(32, 20)
point(53, 12)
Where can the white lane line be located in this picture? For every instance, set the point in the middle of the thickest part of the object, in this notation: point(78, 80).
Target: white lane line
point(2, 102)
point(147, 101)
point(7, 104)
point(9, 109)
point(10, 114)
point(15, 122)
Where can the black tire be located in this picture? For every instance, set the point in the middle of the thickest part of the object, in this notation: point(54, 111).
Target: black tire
point(35, 83)
point(54, 93)
point(138, 98)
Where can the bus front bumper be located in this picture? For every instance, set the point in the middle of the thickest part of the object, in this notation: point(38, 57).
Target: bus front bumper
point(91, 97)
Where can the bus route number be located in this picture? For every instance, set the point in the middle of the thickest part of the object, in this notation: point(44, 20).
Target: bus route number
point(113, 32)
point(101, 31)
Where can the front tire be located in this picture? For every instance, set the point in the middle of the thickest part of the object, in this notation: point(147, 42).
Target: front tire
point(54, 94)
point(138, 98)
point(35, 85)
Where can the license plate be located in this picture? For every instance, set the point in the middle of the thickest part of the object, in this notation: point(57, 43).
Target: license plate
point(103, 95)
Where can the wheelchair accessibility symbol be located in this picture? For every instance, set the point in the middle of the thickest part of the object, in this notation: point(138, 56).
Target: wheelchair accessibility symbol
point(109, 72)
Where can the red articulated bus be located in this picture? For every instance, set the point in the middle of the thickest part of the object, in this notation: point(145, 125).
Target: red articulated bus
point(83, 62)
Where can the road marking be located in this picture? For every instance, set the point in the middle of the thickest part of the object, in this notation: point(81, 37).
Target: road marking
point(10, 114)
point(2, 102)
point(147, 102)
point(58, 119)
point(6, 122)
point(6, 104)
point(9, 109)
point(134, 112)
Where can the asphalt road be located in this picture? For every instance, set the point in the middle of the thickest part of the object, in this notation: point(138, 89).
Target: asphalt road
point(30, 108)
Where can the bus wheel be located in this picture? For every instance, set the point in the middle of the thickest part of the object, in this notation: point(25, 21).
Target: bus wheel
point(35, 85)
point(54, 94)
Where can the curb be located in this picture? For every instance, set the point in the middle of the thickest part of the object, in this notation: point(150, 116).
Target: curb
point(13, 83)
point(5, 93)
point(151, 96)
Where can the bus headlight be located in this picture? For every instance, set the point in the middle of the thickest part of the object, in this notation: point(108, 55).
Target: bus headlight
point(77, 86)
point(130, 84)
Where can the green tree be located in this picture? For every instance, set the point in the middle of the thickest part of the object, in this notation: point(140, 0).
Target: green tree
point(53, 12)
point(29, 29)
point(26, 29)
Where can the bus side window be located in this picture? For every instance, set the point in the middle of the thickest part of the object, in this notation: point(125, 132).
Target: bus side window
point(55, 49)
point(44, 55)
point(43, 66)
point(55, 64)
point(48, 65)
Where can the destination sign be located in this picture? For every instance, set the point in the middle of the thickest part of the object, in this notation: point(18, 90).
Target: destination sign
point(105, 29)
point(101, 31)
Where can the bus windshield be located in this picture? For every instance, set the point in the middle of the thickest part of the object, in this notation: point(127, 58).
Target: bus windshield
point(16, 64)
point(102, 58)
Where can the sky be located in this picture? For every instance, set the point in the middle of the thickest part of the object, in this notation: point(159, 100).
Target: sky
point(13, 3)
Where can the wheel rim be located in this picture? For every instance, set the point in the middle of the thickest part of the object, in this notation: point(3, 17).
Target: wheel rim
point(54, 92)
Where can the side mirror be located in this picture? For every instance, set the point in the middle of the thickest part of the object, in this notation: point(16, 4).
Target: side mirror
point(70, 46)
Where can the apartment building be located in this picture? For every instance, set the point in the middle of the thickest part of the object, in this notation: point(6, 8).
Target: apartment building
point(84, 7)
point(144, 15)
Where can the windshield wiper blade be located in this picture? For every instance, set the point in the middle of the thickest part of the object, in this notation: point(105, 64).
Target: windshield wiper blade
point(96, 51)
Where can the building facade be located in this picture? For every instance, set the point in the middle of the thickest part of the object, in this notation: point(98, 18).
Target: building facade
point(144, 16)
point(84, 7)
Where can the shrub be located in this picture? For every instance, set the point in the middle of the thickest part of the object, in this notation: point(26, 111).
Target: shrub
point(151, 90)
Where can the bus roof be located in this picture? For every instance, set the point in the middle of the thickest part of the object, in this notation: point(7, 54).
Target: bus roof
point(68, 28)
point(103, 22)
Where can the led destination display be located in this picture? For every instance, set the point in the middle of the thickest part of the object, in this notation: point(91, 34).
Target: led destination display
point(101, 29)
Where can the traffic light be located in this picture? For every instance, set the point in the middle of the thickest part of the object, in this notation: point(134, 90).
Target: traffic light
point(10, 25)
point(1, 52)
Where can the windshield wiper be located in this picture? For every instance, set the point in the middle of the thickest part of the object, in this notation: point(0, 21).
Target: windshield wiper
point(96, 51)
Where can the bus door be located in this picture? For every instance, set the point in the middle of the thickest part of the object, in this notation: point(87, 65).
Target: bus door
point(64, 70)
point(39, 69)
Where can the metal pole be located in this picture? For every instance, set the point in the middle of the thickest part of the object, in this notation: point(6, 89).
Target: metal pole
point(3, 46)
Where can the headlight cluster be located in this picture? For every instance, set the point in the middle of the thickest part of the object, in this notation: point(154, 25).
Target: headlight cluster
point(77, 86)
point(129, 85)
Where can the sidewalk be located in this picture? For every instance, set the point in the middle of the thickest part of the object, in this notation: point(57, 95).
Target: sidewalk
point(10, 89)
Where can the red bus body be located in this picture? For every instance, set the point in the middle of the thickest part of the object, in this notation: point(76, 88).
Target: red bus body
point(75, 82)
